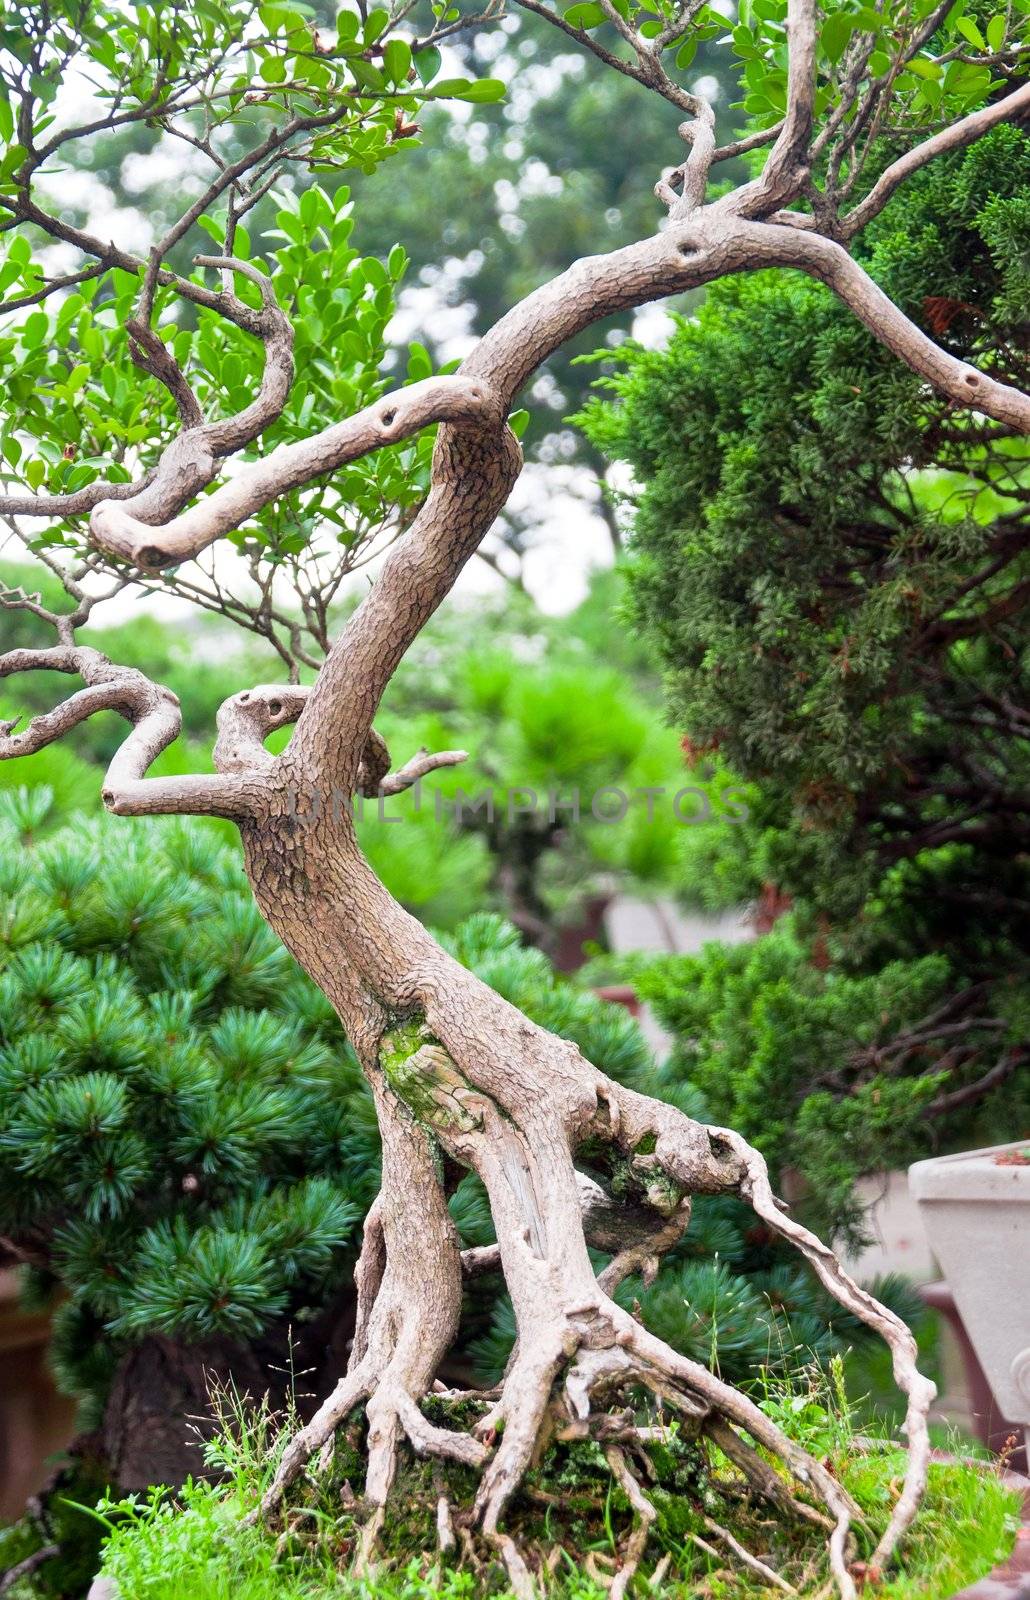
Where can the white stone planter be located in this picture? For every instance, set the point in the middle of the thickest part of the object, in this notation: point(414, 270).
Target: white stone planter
point(976, 1211)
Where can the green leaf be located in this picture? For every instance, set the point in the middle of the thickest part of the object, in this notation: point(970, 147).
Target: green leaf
point(427, 64)
point(923, 67)
point(375, 272)
point(686, 53)
point(996, 31)
point(366, 76)
point(397, 60)
point(419, 363)
point(836, 31)
point(969, 30)
point(485, 91)
point(518, 422)
point(378, 22)
point(587, 15)
point(273, 69)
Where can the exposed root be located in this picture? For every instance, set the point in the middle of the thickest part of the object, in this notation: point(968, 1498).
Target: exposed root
point(581, 1362)
point(645, 1516)
point(524, 1400)
point(918, 1390)
point(657, 1577)
point(444, 1525)
point(364, 1563)
point(349, 1392)
point(761, 1475)
point(746, 1559)
point(518, 1573)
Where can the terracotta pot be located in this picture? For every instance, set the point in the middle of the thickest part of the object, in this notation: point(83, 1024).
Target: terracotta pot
point(35, 1420)
point(620, 994)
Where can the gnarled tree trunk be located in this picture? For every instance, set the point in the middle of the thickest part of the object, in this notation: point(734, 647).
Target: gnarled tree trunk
point(460, 1078)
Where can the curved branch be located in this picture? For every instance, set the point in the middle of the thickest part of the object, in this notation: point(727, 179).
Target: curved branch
point(788, 164)
point(156, 719)
point(919, 1392)
point(962, 133)
point(970, 1093)
point(828, 261)
point(154, 544)
point(422, 763)
point(693, 174)
point(189, 463)
point(659, 81)
point(275, 330)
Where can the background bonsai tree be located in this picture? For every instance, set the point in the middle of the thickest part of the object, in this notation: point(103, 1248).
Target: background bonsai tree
point(834, 564)
point(460, 1078)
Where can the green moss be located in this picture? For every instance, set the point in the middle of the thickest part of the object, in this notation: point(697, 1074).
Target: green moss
point(58, 1521)
point(569, 1507)
point(422, 1074)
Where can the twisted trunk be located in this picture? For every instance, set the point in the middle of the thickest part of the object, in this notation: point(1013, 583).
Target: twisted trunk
point(457, 1071)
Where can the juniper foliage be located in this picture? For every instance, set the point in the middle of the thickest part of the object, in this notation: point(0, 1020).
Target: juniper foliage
point(834, 567)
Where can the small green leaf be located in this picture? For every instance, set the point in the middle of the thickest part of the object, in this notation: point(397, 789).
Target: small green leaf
point(427, 64)
point(397, 60)
point(366, 76)
point(375, 272)
point(686, 53)
point(485, 91)
point(969, 30)
point(996, 30)
point(923, 67)
point(419, 363)
point(836, 31)
point(587, 15)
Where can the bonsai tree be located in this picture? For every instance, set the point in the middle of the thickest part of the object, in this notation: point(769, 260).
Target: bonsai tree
point(834, 565)
point(460, 1078)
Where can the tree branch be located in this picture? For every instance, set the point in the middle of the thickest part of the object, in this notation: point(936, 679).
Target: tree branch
point(153, 544)
point(189, 463)
point(962, 133)
point(828, 261)
point(660, 83)
point(788, 163)
point(156, 719)
point(970, 1093)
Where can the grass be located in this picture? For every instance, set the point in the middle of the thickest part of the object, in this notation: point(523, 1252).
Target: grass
point(195, 1544)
